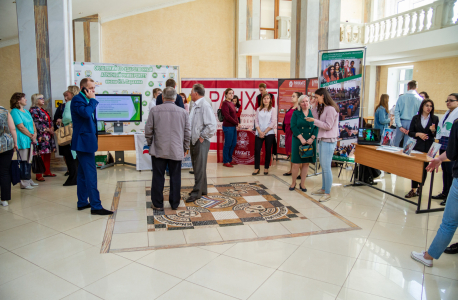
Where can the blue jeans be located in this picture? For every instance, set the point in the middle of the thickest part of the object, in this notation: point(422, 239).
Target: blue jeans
point(230, 140)
point(398, 136)
point(87, 181)
point(449, 223)
point(326, 150)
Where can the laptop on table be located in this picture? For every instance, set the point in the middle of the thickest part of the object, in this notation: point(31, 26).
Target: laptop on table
point(369, 136)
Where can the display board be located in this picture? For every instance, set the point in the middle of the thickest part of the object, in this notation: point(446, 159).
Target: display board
point(245, 89)
point(126, 79)
point(286, 88)
point(341, 73)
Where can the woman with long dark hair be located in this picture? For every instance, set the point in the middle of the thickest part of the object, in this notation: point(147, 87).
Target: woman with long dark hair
point(230, 124)
point(265, 122)
point(326, 118)
point(423, 128)
point(338, 71)
point(381, 117)
point(238, 106)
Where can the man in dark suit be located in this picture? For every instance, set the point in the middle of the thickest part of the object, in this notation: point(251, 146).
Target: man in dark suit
point(84, 142)
point(178, 101)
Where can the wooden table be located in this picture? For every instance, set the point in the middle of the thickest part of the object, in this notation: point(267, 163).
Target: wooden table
point(411, 167)
point(117, 143)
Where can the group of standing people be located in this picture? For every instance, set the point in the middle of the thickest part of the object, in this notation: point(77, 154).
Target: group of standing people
point(307, 121)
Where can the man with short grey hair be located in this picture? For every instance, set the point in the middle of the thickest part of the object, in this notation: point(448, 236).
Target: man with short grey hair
point(168, 133)
point(203, 127)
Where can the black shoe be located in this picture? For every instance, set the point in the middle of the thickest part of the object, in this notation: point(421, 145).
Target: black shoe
point(191, 172)
point(69, 184)
point(174, 208)
point(101, 212)
point(302, 189)
point(292, 188)
point(439, 197)
point(452, 249)
point(191, 199)
point(157, 208)
point(84, 207)
point(287, 174)
point(256, 173)
point(443, 203)
point(66, 173)
point(189, 194)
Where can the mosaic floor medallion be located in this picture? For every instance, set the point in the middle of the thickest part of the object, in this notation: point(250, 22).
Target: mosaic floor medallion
point(232, 204)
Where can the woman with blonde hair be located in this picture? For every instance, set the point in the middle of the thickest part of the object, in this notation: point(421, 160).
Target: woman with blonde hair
point(304, 133)
point(70, 157)
point(381, 117)
point(45, 134)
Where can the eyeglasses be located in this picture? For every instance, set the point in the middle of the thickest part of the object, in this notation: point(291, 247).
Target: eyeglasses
point(41, 98)
point(447, 101)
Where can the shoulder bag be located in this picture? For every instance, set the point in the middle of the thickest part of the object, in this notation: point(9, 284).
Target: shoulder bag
point(38, 166)
point(16, 169)
point(64, 135)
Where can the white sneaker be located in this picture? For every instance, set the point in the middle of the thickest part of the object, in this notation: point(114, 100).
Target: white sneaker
point(325, 197)
point(4, 203)
point(318, 192)
point(32, 183)
point(420, 257)
point(25, 184)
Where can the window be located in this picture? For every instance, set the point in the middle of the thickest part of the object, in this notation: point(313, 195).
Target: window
point(270, 10)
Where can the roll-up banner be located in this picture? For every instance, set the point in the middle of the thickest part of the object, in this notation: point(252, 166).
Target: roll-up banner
point(126, 79)
point(341, 72)
point(246, 89)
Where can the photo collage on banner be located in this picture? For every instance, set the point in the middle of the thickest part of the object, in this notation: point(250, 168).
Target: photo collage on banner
point(126, 79)
point(341, 75)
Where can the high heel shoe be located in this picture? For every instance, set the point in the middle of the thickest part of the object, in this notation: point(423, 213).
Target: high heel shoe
point(292, 188)
point(266, 172)
point(256, 173)
point(301, 188)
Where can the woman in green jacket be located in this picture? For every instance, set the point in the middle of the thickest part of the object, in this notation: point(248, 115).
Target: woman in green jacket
point(304, 133)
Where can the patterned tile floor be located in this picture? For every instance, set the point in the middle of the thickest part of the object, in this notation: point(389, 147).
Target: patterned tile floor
point(239, 210)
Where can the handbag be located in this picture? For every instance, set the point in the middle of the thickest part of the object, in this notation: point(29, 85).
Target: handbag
point(38, 166)
point(220, 115)
point(64, 135)
point(306, 151)
point(16, 170)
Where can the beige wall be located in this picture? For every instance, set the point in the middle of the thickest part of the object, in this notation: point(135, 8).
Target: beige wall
point(437, 77)
point(351, 11)
point(269, 69)
point(10, 76)
point(198, 36)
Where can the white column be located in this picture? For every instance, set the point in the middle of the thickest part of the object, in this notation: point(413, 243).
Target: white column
point(306, 40)
point(370, 96)
point(27, 47)
point(60, 43)
point(241, 37)
point(334, 24)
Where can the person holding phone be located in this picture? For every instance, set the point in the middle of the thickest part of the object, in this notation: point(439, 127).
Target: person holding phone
point(84, 142)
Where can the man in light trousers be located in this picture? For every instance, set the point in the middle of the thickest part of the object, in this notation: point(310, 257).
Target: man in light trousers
point(203, 127)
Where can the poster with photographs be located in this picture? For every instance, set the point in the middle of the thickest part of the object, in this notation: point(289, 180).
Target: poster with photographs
point(341, 75)
point(345, 150)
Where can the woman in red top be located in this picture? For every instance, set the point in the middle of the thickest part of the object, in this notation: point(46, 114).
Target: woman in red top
point(287, 122)
point(238, 107)
point(45, 134)
point(230, 124)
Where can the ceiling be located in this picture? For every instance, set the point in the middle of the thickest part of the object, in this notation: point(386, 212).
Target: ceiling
point(106, 9)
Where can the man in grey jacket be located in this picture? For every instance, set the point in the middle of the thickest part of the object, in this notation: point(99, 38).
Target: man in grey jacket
point(168, 133)
point(203, 127)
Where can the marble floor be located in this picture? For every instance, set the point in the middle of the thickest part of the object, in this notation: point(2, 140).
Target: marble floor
point(49, 250)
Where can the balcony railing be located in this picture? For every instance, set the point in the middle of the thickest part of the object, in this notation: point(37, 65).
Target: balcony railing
point(439, 14)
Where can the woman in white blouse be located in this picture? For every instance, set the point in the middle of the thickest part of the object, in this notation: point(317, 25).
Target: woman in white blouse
point(265, 122)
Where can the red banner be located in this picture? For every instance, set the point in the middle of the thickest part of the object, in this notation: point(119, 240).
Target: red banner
point(244, 150)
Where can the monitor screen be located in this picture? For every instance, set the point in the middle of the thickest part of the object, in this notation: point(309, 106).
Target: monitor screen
point(100, 126)
point(369, 135)
point(119, 107)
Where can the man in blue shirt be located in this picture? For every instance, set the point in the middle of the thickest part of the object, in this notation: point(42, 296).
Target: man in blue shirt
point(178, 101)
point(85, 143)
point(407, 106)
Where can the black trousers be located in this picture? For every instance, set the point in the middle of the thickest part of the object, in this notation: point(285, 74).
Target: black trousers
point(5, 174)
point(157, 185)
point(72, 165)
point(447, 175)
point(270, 140)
